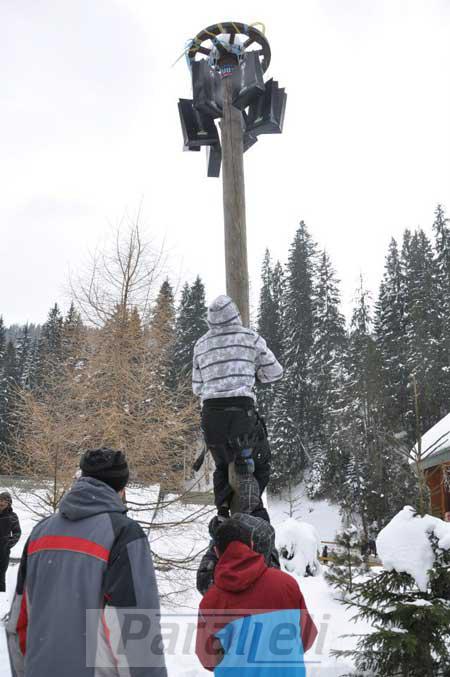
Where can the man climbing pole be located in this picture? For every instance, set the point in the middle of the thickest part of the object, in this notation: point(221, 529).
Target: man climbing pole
point(228, 360)
point(263, 538)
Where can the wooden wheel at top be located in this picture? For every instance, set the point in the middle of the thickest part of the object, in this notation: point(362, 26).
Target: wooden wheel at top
point(233, 33)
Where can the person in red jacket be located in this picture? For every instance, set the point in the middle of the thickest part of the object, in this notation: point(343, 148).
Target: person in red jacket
point(253, 621)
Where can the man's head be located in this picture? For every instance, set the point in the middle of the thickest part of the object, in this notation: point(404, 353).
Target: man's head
point(107, 465)
point(228, 532)
point(223, 311)
point(5, 500)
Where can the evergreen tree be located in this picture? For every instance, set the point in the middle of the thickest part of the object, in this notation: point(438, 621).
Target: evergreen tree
point(411, 634)
point(376, 478)
point(270, 319)
point(422, 326)
point(50, 348)
point(327, 372)
point(8, 401)
point(163, 332)
point(278, 294)
point(442, 263)
point(362, 412)
point(2, 341)
point(190, 326)
point(268, 324)
point(72, 336)
point(24, 353)
point(346, 563)
point(390, 330)
point(292, 426)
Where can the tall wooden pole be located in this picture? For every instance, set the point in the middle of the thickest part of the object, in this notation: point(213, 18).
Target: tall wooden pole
point(236, 265)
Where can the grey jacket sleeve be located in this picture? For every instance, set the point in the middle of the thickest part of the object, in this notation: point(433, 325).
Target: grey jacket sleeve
point(17, 624)
point(268, 369)
point(197, 379)
point(132, 612)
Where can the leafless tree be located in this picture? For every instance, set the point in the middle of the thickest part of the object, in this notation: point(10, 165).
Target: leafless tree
point(125, 276)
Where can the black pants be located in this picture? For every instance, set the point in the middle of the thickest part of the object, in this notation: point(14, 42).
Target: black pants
point(230, 425)
point(4, 563)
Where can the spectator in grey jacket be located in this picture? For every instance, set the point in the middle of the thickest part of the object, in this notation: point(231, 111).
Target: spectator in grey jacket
point(86, 601)
point(228, 360)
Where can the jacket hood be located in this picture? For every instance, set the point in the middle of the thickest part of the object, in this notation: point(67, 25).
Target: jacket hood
point(238, 568)
point(223, 311)
point(89, 497)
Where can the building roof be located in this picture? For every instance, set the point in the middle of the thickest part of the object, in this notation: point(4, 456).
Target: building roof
point(436, 444)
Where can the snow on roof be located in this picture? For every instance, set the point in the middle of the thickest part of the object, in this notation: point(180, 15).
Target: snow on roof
point(403, 545)
point(435, 441)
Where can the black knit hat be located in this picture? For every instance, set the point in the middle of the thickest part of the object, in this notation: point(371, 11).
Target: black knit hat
point(108, 465)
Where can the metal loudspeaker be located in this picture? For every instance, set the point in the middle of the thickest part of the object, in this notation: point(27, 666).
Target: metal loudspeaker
point(198, 129)
point(250, 83)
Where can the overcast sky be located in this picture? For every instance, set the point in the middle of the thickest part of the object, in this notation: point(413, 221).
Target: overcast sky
point(89, 130)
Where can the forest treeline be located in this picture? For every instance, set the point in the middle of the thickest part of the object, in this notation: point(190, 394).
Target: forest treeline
point(115, 369)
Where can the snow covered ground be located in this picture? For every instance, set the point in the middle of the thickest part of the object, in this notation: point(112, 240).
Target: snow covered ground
point(177, 585)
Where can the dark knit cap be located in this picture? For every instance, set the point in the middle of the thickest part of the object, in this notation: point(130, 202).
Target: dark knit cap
point(6, 496)
point(107, 465)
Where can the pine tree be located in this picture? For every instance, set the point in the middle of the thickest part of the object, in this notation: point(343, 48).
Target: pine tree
point(270, 320)
point(24, 354)
point(422, 326)
point(390, 330)
point(442, 264)
point(346, 563)
point(2, 341)
point(411, 636)
point(327, 373)
point(50, 348)
point(292, 409)
point(358, 414)
point(8, 398)
point(163, 332)
point(376, 478)
point(72, 336)
point(190, 326)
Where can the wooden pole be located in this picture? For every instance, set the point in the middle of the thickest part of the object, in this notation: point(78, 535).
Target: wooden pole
point(234, 203)
point(236, 266)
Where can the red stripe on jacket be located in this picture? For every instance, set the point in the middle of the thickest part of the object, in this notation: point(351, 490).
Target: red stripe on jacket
point(69, 543)
point(22, 623)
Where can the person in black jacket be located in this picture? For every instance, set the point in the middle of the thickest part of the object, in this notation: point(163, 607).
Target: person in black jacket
point(9, 534)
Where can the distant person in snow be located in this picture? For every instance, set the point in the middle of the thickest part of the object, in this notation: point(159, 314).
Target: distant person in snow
point(253, 620)
point(85, 572)
point(228, 360)
point(9, 534)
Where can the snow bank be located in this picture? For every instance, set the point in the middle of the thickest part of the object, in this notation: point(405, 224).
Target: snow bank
point(404, 545)
point(298, 544)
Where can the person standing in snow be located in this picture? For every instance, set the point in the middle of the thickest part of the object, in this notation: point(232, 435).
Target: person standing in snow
point(253, 620)
point(86, 601)
point(227, 362)
point(9, 534)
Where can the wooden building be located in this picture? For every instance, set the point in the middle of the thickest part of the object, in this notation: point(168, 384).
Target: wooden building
point(436, 464)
